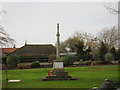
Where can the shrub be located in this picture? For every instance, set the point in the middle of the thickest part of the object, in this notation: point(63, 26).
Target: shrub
point(109, 56)
point(62, 58)
point(12, 61)
point(35, 64)
point(69, 59)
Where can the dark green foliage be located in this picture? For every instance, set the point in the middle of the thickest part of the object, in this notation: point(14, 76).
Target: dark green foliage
point(4, 59)
point(81, 53)
point(118, 54)
point(12, 61)
point(89, 56)
point(114, 53)
point(79, 49)
point(63, 58)
point(35, 64)
point(102, 51)
point(113, 50)
point(88, 50)
point(69, 59)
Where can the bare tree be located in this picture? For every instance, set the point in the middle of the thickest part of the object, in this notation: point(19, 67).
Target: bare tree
point(87, 38)
point(113, 10)
point(5, 39)
point(109, 36)
point(90, 40)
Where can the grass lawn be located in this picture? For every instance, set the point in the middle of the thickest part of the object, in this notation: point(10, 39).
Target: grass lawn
point(88, 77)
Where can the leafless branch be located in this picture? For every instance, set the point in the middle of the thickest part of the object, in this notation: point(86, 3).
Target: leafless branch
point(112, 10)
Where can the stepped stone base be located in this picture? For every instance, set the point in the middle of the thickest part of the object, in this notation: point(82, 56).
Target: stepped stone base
point(58, 74)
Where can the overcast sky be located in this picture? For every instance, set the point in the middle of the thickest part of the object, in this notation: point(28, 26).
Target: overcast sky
point(36, 21)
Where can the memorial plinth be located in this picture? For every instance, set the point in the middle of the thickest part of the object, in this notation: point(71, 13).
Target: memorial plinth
point(58, 72)
point(57, 64)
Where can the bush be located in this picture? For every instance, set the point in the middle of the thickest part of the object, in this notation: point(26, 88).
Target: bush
point(63, 58)
point(12, 61)
point(69, 59)
point(109, 56)
point(35, 64)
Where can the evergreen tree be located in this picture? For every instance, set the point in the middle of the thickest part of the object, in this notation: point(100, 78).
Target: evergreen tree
point(102, 51)
point(114, 53)
point(118, 54)
point(12, 61)
point(88, 50)
point(88, 54)
point(79, 49)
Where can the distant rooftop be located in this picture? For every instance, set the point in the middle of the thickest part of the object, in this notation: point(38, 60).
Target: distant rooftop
point(7, 50)
point(35, 49)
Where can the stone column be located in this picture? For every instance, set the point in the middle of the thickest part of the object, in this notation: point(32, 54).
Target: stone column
point(58, 64)
point(58, 72)
point(58, 43)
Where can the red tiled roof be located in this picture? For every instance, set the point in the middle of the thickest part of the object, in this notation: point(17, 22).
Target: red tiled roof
point(8, 50)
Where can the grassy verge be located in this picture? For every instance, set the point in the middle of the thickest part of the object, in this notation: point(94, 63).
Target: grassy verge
point(88, 77)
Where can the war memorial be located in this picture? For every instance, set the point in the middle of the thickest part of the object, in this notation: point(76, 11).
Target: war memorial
point(58, 72)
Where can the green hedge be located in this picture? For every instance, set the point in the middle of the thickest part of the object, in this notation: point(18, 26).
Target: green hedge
point(35, 64)
point(69, 59)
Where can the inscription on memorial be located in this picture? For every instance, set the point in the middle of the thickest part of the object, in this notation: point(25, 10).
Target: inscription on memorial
point(58, 65)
